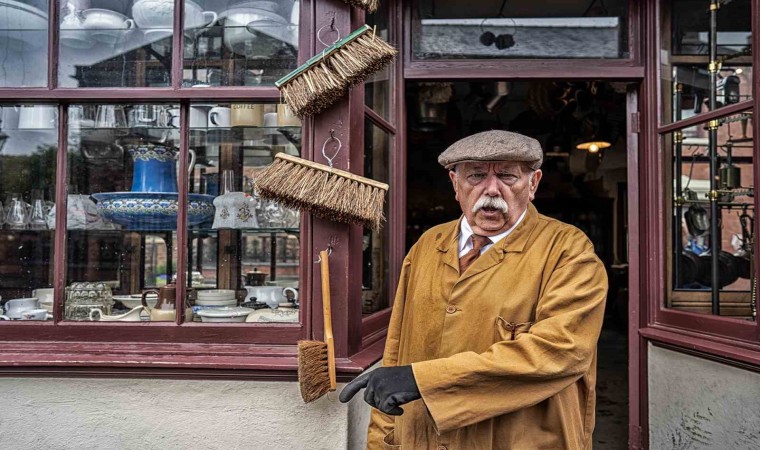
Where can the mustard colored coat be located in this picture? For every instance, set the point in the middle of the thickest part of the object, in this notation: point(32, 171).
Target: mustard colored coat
point(504, 354)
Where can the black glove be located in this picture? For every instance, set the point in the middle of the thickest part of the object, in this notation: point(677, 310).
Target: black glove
point(387, 388)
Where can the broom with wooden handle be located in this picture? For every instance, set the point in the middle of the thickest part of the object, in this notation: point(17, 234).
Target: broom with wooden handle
point(316, 359)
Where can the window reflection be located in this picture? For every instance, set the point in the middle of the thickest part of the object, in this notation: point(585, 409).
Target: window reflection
point(693, 241)
point(496, 29)
point(248, 255)
point(377, 91)
point(685, 82)
point(376, 244)
point(250, 43)
point(28, 149)
point(23, 43)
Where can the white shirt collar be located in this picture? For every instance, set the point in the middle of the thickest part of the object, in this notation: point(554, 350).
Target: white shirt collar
point(465, 234)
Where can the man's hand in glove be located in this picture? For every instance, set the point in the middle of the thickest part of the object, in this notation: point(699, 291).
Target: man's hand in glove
point(387, 388)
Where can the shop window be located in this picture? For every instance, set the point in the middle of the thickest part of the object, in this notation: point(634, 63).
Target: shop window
point(234, 43)
point(28, 152)
point(252, 245)
point(712, 239)
point(376, 289)
point(687, 71)
point(129, 44)
point(23, 43)
point(495, 29)
point(377, 88)
point(122, 238)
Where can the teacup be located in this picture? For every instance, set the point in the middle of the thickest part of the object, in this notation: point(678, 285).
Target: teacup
point(14, 308)
point(219, 117)
point(35, 314)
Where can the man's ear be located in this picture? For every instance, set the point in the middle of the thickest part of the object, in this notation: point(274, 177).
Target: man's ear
point(534, 179)
point(453, 178)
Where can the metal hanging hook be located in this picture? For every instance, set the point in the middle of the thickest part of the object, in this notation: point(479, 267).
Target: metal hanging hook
point(332, 138)
point(332, 28)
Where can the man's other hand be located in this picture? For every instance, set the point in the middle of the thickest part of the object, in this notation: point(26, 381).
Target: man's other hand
point(385, 388)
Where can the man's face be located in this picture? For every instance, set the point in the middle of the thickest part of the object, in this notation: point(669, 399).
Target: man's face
point(493, 195)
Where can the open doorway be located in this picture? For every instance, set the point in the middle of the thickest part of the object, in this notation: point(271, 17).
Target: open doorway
point(586, 187)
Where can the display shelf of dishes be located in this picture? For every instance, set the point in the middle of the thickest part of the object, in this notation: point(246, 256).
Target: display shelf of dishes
point(37, 307)
point(254, 29)
point(153, 201)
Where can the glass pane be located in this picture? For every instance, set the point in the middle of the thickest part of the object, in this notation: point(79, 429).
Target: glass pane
point(28, 148)
point(376, 248)
point(693, 221)
point(690, 27)
point(377, 92)
point(122, 210)
point(455, 30)
point(244, 261)
point(105, 43)
point(239, 43)
point(686, 84)
point(23, 43)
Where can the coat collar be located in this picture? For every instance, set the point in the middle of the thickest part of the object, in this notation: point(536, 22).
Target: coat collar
point(514, 242)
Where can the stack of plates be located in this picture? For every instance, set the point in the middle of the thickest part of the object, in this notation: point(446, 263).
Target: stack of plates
point(216, 297)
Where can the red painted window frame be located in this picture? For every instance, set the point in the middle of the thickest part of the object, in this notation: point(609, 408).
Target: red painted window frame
point(718, 337)
point(262, 351)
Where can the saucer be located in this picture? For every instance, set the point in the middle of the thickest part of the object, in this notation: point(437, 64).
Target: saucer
point(152, 210)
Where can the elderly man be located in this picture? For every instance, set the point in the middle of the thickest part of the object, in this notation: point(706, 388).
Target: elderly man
point(492, 340)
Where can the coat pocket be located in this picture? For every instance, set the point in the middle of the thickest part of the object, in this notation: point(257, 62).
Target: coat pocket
point(508, 331)
point(388, 442)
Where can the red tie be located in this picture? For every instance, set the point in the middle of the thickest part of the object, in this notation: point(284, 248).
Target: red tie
point(478, 242)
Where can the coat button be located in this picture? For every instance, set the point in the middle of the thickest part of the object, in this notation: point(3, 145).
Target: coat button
point(451, 310)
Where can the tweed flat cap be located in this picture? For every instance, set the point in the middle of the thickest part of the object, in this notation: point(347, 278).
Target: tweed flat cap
point(494, 145)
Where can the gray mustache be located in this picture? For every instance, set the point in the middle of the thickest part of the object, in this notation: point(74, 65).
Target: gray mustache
point(490, 202)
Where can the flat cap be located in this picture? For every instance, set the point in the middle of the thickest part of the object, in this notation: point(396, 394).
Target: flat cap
point(494, 145)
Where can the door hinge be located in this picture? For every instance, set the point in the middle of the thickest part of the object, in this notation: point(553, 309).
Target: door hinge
point(635, 440)
point(635, 123)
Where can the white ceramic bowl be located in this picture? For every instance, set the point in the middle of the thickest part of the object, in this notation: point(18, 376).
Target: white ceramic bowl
point(240, 40)
point(105, 25)
point(22, 26)
point(225, 314)
point(160, 14)
point(217, 302)
point(208, 294)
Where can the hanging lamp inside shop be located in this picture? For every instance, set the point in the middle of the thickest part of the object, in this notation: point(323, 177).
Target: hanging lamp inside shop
point(593, 146)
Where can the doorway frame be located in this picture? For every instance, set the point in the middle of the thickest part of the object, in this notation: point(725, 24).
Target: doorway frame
point(632, 70)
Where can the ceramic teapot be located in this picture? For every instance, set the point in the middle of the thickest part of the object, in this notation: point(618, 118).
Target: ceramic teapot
point(165, 309)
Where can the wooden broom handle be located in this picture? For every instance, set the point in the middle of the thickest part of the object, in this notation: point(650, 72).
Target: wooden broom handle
point(323, 168)
point(327, 312)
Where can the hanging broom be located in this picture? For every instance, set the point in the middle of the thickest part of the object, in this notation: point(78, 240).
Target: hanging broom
point(367, 5)
point(326, 77)
point(316, 359)
point(326, 192)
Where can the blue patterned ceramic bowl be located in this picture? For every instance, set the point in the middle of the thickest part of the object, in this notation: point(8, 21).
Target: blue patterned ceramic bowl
point(152, 210)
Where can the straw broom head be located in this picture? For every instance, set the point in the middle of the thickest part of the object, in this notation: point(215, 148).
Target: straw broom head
point(367, 5)
point(329, 193)
point(326, 79)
